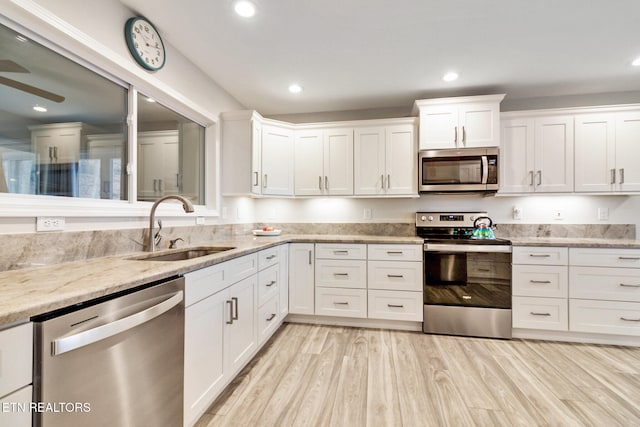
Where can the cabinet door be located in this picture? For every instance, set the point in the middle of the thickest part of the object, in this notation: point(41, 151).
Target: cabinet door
point(517, 156)
point(478, 125)
point(241, 334)
point(301, 278)
point(338, 161)
point(439, 127)
point(149, 169)
point(170, 174)
point(595, 153)
point(256, 157)
point(628, 151)
point(309, 163)
point(16, 418)
point(57, 144)
point(284, 280)
point(277, 161)
point(369, 164)
point(401, 160)
point(204, 373)
point(554, 154)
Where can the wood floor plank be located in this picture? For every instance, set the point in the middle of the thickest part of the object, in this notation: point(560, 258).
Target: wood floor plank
point(489, 418)
point(383, 407)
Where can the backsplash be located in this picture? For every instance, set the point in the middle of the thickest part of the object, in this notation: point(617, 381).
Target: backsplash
point(30, 250)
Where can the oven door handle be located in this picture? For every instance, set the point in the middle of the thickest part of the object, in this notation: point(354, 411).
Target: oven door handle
point(485, 169)
point(461, 248)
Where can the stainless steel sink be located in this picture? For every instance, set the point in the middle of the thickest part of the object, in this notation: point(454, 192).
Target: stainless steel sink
point(183, 254)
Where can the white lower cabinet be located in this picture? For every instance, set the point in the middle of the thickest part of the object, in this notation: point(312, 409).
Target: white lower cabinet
point(342, 302)
point(283, 303)
point(540, 313)
point(301, 278)
point(220, 329)
point(269, 286)
point(605, 317)
point(395, 305)
point(16, 361)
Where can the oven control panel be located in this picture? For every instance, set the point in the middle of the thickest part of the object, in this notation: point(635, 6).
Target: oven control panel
point(452, 220)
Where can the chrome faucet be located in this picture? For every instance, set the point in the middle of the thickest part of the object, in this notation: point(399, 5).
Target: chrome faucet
point(186, 205)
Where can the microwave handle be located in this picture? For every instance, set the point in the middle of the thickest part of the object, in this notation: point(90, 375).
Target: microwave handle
point(485, 169)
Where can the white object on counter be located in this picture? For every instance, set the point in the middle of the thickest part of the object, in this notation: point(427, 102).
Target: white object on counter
point(267, 233)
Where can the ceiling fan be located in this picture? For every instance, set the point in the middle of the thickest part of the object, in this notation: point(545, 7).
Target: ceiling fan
point(8, 66)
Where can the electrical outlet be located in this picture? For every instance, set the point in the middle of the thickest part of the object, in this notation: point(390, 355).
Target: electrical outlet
point(199, 220)
point(367, 213)
point(49, 223)
point(517, 212)
point(558, 214)
point(603, 214)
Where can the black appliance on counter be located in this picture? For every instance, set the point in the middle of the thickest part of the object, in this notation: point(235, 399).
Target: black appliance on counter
point(467, 280)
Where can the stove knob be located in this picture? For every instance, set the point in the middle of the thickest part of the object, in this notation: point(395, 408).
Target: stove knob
point(423, 218)
point(430, 218)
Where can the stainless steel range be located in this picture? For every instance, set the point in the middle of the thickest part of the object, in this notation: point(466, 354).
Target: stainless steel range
point(467, 275)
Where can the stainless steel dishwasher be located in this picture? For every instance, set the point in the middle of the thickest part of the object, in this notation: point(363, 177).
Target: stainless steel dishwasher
point(116, 361)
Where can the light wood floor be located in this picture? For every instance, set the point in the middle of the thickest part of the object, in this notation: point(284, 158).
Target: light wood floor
point(310, 375)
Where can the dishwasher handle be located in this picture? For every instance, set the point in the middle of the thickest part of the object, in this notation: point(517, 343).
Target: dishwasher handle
point(82, 339)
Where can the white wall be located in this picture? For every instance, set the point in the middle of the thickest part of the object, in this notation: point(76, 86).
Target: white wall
point(575, 209)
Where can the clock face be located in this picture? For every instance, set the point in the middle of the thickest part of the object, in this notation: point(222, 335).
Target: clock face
point(144, 43)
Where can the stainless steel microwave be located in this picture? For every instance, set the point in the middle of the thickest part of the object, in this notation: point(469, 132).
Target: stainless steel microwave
point(451, 170)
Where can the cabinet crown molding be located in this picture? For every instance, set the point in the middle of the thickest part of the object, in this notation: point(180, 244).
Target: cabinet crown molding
point(419, 103)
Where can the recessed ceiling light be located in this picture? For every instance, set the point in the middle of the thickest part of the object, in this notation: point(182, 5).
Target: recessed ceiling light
point(636, 62)
point(21, 38)
point(39, 108)
point(149, 99)
point(295, 88)
point(245, 9)
point(449, 77)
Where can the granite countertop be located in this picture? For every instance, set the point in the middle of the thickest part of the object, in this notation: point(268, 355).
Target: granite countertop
point(32, 291)
point(576, 242)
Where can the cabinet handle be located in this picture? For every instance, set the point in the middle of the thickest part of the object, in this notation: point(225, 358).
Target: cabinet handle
point(626, 285)
point(539, 177)
point(629, 258)
point(613, 176)
point(395, 276)
point(55, 153)
point(160, 185)
point(530, 177)
point(309, 257)
point(270, 257)
point(230, 321)
point(271, 283)
point(264, 181)
point(270, 318)
point(533, 313)
point(235, 303)
point(484, 269)
point(341, 252)
point(455, 136)
point(622, 176)
point(388, 181)
point(539, 255)
point(629, 320)
point(341, 274)
point(320, 183)
point(464, 136)
point(543, 282)
point(394, 252)
point(51, 154)
point(155, 185)
point(395, 305)
point(341, 302)
point(255, 179)
point(178, 181)
point(326, 183)
point(382, 182)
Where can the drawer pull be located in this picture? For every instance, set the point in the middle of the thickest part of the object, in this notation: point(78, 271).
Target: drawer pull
point(341, 303)
point(484, 269)
point(395, 276)
point(395, 305)
point(539, 255)
point(629, 320)
point(533, 313)
point(629, 258)
point(394, 252)
point(270, 318)
point(271, 283)
point(341, 252)
point(270, 257)
point(542, 282)
point(341, 274)
point(626, 285)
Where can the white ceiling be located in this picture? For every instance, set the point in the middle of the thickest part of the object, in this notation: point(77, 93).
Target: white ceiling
point(363, 54)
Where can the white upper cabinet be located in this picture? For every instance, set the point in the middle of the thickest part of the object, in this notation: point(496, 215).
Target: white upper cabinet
point(462, 122)
point(241, 169)
point(277, 160)
point(57, 143)
point(158, 164)
point(607, 152)
point(537, 154)
point(324, 162)
point(385, 161)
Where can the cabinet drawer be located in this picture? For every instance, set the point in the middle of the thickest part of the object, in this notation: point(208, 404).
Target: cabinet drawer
point(395, 305)
point(268, 257)
point(201, 283)
point(15, 418)
point(616, 284)
point(395, 252)
point(540, 255)
point(341, 302)
point(540, 313)
point(240, 268)
point(341, 251)
point(16, 358)
point(268, 319)
point(605, 317)
point(549, 281)
point(603, 257)
point(268, 284)
point(341, 274)
point(395, 275)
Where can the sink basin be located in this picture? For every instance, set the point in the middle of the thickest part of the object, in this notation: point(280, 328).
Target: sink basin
point(183, 254)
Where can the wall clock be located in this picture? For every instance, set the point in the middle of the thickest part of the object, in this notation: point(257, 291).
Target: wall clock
point(144, 43)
